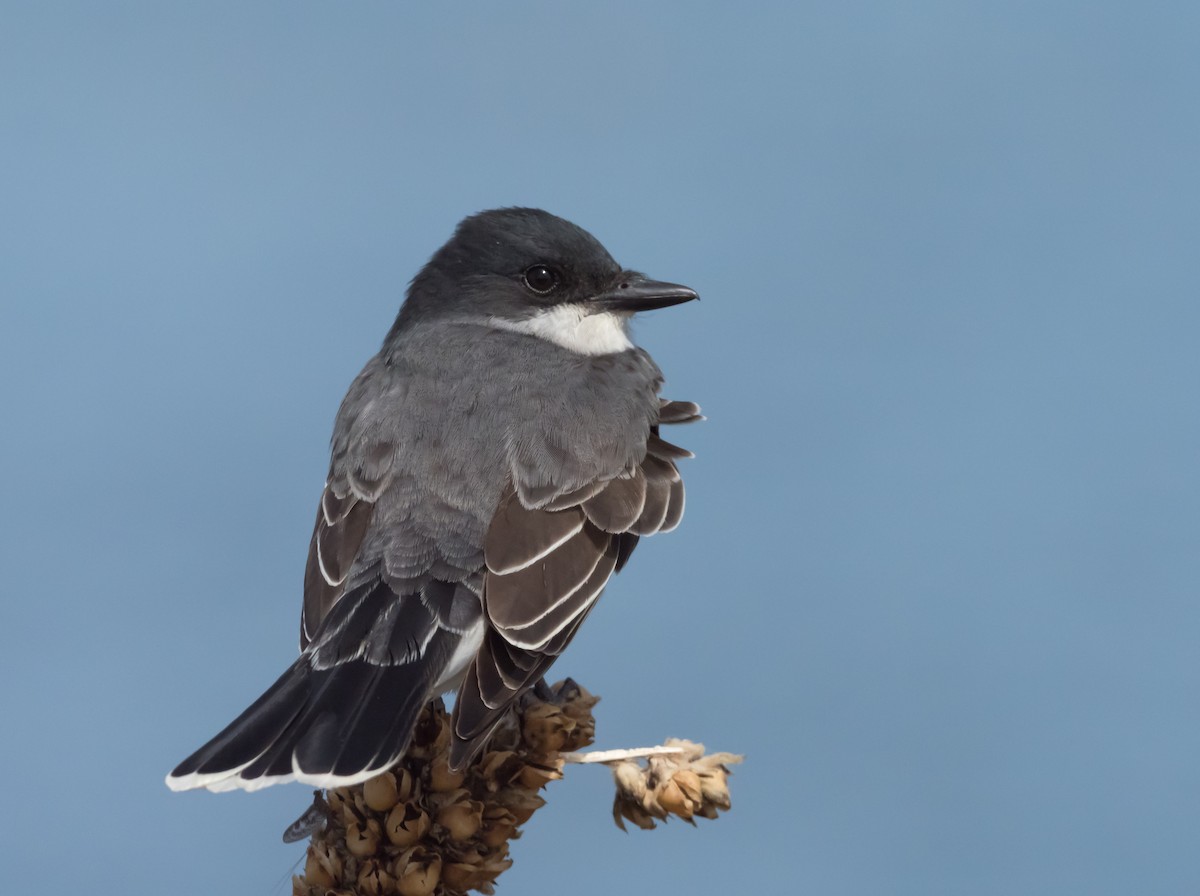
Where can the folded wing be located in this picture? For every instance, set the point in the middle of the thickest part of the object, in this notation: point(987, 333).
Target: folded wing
point(547, 566)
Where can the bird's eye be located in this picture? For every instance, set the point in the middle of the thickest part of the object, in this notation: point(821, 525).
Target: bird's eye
point(541, 278)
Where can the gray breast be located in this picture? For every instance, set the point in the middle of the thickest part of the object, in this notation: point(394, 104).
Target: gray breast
point(448, 418)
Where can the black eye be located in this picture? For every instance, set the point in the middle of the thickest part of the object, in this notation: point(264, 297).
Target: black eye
point(541, 278)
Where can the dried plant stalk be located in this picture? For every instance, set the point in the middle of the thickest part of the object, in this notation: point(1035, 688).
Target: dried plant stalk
point(420, 829)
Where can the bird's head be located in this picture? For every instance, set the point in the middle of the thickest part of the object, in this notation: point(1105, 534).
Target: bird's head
point(528, 271)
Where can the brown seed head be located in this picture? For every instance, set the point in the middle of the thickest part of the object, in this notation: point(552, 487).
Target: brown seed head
point(417, 872)
point(670, 796)
point(461, 818)
point(362, 840)
point(381, 793)
point(460, 876)
point(535, 775)
point(441, 778)
point(373, 879)
point(316, 872)
point(406, 824)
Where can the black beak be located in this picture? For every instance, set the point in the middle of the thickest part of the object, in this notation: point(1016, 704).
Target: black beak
point(633, 293)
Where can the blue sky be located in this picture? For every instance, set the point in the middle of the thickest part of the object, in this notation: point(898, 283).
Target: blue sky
point(939, 573)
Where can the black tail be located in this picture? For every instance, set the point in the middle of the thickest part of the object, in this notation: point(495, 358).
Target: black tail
point(341, 714)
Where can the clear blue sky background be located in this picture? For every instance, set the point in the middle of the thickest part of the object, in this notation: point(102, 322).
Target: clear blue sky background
point(939, 574)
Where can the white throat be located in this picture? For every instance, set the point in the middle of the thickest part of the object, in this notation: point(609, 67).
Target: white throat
point(570, 326)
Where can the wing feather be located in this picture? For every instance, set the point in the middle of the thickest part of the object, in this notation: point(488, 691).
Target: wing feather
point(518, 537)
point(521, 598)
point(549, 554)
point(543, 630)
point(619, 505)
point(664, 450)
point(344, 515)
point(678, 412)
point(674, 507)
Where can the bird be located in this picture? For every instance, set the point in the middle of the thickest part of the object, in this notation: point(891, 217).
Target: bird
point(492, 466)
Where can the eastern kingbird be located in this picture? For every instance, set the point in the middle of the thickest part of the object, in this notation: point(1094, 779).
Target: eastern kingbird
point(491, 468)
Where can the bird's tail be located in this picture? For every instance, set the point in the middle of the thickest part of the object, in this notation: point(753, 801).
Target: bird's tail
point(323, 727)
point(332, 719)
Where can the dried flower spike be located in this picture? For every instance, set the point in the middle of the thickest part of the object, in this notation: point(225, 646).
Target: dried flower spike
point(419, 829)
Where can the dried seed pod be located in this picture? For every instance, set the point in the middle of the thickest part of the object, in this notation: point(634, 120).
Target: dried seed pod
point(316, 873)
point(499, 827)
point(634, 800)
point(497, 833)
point(406, 783)
point(350, 815)
point(546, 728)
point(406, 824)
point(462, 818)
point(373, 879)
point(441, 778)
point(578, 707)
point(714, 787)
point(353, 808)
point(362, 840)
point(630, 779)
point(330, 859)
point(624, 810)
point(335, 798)
point(536, 776)
point(495, 812)
point(494, 866)
point(438, 801)
point(498, 768)
point(707, 810)
point(419, 874)
point(689, 782)
point(581, 736)
point(460, 876)
point(381, 793)
point(659, 768)
point(670, 796)
point(521, 803)
point(471, 856)
point(578, 701)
